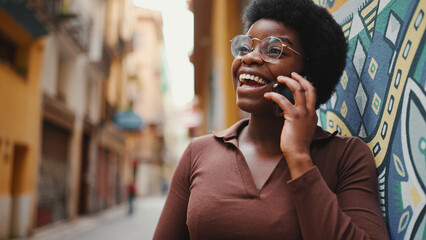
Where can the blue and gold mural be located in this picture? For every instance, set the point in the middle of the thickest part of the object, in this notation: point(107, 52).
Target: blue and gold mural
point(381, 98)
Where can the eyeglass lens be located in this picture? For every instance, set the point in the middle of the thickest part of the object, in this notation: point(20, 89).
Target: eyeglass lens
point(270, 49)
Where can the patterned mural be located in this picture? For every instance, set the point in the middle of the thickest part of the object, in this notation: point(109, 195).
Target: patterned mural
point(381, 98)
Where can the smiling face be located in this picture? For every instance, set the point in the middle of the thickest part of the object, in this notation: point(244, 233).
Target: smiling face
point(253, 77)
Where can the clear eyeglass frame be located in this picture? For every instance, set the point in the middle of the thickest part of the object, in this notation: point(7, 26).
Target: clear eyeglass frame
point(240, 42)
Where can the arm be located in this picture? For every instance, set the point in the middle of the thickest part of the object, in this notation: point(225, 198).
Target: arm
point(172, 222)
point(300, 121)
point(353, 211)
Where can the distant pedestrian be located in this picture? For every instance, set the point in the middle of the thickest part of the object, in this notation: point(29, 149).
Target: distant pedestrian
point(131, 195)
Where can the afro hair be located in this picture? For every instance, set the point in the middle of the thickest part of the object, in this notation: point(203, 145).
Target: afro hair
point(321, 37)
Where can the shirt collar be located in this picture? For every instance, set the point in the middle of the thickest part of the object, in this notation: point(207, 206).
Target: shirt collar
point(232, 132)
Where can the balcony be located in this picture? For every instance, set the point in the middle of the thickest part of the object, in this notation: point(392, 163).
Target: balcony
point(19, 12)
point(65, 17)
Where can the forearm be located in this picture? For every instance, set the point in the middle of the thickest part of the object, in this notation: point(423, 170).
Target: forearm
point(321, 216)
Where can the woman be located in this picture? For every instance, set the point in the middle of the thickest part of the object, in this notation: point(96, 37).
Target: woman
point(272, 177)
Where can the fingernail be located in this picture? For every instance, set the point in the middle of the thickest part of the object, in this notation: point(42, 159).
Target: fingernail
point(283, 78)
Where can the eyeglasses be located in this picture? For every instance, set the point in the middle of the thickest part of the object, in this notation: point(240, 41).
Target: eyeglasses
point(270, 48)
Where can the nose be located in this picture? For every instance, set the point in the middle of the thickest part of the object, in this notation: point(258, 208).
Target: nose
point(253, 56)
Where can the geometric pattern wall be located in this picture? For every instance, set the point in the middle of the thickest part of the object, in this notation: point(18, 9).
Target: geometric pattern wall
point(381, 98)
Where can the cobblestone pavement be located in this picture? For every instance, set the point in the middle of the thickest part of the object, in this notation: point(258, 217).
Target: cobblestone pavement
point(112, 224)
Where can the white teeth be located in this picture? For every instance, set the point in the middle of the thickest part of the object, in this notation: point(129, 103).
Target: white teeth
point(257, 79)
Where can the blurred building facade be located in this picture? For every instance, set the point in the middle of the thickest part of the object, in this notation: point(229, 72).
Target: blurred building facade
point(68, 113)
point(215, 24)
point(145, 92)
point(21, 54)
point(64, 81)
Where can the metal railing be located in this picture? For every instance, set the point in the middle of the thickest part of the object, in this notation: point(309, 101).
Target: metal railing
point(64, 16)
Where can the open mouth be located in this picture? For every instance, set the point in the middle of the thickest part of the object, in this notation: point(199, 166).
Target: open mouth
point(251, 80)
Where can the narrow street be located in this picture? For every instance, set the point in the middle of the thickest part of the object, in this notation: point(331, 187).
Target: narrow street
point(115, 224)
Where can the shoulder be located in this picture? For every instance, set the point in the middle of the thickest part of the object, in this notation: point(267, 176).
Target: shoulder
point(337, 144)
point(203, 139)
point(201, 142)
point(355, 156)
point(349, 141)
point(344, 155)
point(351, 144)
point(219, 139)
point(197, 148)
point(205, 146)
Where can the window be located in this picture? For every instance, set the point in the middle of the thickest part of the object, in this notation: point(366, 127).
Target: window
point(14, 55)
point(8, 50)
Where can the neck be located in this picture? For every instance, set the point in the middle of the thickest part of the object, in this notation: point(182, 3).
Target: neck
point(264, 131)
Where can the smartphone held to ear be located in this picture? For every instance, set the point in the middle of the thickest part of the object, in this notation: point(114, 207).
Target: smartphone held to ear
point(286, 92)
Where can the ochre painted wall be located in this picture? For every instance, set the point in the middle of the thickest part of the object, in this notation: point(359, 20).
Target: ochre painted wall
point(225, 25)
point(20, 117)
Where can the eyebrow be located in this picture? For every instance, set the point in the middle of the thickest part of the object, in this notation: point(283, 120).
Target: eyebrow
point(284, 39)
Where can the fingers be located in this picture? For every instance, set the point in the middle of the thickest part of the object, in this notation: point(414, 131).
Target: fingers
point(310, 91)
point(303, 91)
point(279, 99)
point(294, 85)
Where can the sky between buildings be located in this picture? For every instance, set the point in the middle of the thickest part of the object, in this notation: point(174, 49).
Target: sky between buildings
point(178, 30)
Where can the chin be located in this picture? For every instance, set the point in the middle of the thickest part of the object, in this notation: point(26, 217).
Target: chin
point(264, 108)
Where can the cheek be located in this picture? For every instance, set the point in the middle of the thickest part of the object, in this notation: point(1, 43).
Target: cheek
point(287, 67)
point(235, 65)
point(234, 68)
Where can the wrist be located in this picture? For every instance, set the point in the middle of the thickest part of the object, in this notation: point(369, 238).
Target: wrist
point(299, 164)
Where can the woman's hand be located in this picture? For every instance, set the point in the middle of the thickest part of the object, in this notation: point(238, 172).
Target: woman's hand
point(300, 122)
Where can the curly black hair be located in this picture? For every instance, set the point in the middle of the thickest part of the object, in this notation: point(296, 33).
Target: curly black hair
point(322, 38)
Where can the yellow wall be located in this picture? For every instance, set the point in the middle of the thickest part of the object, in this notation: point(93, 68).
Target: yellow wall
point(225, 25)
point(20, 111)
point(114, 85)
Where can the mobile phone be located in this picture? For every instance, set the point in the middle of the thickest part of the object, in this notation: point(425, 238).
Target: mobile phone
point(286, 92)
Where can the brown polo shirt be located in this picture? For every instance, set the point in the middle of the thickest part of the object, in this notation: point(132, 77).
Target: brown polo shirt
point(213, 195)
